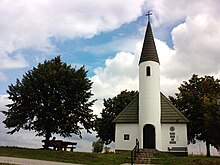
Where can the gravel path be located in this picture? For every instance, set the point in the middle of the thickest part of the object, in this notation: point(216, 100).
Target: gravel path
point(22, 161)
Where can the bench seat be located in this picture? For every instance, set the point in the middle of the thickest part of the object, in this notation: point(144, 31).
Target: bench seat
point(181, 151)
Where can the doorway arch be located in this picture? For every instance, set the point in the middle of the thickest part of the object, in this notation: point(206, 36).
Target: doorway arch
point(149, 136)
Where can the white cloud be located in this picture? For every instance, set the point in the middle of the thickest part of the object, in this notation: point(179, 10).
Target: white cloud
point(17, 61)
point(32, 24)
point(4, 101)
point(169, 11)
point(195, 36)
point(195, 48)
point(127, 44)
point(196, 42)
point(119, 73)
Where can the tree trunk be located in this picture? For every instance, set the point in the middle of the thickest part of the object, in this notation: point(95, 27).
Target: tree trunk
point(47, 140)
point(208, 149)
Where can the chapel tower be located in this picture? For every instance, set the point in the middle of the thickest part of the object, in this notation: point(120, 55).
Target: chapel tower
point(149, 94)
point(150, 117)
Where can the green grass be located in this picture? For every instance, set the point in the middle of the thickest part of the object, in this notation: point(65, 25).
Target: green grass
point(101, 159)
point(65, 156)
point(167, 159)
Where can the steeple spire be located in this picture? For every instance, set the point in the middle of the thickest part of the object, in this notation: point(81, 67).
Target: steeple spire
point(149, 52)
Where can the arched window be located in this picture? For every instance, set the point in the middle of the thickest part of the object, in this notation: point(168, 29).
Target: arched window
point(148, 71)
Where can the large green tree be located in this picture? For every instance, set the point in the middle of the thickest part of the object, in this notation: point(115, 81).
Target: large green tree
point(112, 107)
point(52, 98)
point(197, 99)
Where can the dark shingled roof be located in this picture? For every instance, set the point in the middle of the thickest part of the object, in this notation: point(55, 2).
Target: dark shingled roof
point(169, 113)
point(130, 112)
point(149, 52)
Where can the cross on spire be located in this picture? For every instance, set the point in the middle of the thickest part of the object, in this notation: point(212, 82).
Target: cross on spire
point(148, 15)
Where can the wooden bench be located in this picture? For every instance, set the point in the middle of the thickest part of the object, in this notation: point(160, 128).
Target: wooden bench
point(177, 149)
point(182, 151)
point(70, 145)
point(61, 145)
point(71, 148)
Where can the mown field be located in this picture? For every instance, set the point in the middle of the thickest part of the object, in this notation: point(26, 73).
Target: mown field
point(101, 159)
point(167, 159)
point(65, 156)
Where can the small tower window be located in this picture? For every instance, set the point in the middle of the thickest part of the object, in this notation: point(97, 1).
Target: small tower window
point(148, 71)
point(126, 137)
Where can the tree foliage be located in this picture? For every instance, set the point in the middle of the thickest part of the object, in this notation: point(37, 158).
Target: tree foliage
point(52, 98)
point(112, 107)
point(97, 146)
point(197, 99)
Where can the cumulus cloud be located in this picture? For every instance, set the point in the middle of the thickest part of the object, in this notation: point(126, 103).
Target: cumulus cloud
point(17, 61)
point(195, 40)
point(195, 50)
point(195, 36)
point(119, 73)
point(126, 44)
point(196, 47)
point(33, 24)
point(169, 11)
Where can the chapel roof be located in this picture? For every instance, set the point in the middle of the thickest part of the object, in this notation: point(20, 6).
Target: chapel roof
point(169, 113)
point(149, 52)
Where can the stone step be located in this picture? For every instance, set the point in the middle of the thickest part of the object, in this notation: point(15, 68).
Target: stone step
point(145, 156)
point(141, 161)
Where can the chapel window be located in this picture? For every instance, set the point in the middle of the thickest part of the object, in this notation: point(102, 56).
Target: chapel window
point(148, 71)
point(126, 137)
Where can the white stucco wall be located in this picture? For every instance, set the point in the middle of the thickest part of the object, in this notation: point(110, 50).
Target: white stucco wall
point(125, 128)
point(149, 100)
point(180, 136)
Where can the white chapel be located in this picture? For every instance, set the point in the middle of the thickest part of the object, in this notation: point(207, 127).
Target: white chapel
point(150, 117)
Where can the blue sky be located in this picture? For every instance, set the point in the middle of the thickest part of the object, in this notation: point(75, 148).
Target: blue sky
point(106, 37)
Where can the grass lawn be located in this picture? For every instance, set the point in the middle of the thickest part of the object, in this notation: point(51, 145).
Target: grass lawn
point(65, 156)
point(167, 159)
point(101, 159)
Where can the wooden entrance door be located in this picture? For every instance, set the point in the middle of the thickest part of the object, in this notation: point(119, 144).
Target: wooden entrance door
point(149, 136)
